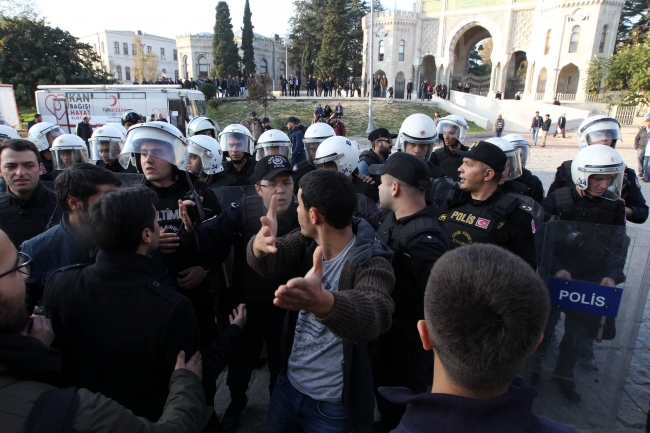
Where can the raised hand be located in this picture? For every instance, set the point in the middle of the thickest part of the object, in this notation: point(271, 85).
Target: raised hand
point(195, 364)
point(307, 293)
point(168, 242)
point(238, 316)
point(264, 242)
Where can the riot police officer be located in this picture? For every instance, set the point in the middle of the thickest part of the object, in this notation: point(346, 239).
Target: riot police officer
point(43, 135)
point(204, 157)
point(314, 136)
point(451, 130)
point(597, 173)
point(273, 142)
point(130, 118)
point(606, 130)
point(234, 228)
point(237, 144)
point(409, 226)
point(28, 206)
point(67, 150)
point(8, 133)
point(105, 146)
point(201, 125)
point(534, 187)
point(477, 211)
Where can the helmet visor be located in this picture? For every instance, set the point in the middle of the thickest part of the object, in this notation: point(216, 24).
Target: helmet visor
point(525, 151)
point(53, 133)
point(235, 142)
point(450, 129)
point(420, 148)
point(104, 149)
point(266, 150)
point(4, 122)
point(311, 146)
point(210, 164)
point(514, 167)
point(156, 143)
point(65, 158)
point(607, 136)
point(603, 181)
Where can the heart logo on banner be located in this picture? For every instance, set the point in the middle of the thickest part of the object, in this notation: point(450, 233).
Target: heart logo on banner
point(54, 106)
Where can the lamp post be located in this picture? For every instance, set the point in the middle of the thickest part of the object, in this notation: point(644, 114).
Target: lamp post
point(371, 126)
point(67, 119)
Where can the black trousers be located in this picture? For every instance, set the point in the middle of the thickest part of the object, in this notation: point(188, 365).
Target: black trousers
point(260, 327)
point(394, 367)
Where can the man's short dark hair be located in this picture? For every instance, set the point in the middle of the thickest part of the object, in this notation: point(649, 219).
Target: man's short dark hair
point(81, 181)
point(37, 115)
point(485, 310)
point(332, 194)
point(118, 218)
point(18, 145)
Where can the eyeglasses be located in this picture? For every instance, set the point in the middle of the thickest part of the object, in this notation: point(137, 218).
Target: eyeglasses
point(22, 265)
point(387, 140)
point(288, 185)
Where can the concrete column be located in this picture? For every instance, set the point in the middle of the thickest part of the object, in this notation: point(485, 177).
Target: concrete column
point(416, 79)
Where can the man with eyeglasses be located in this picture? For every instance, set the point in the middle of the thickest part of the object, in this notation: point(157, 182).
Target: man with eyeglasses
point(234, 228)
point(25, 353)
point(382, 144)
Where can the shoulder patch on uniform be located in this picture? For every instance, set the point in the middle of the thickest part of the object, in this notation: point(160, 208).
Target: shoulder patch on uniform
point(442, 217)
point(525, 208)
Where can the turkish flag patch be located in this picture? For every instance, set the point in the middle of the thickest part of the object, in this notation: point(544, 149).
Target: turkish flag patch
point(482, 223)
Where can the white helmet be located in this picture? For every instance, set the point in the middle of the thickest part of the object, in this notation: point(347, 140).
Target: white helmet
point(236, 137)
point(520, 143)
point(7, 133)
point(163, 141)
point(43, 135)
point(206, 148)
point(452, 124)
point(68, 149)
point(201, 124)
point(513, 165)
point(597, 130)
point(4, 122)
point(340, 150)
point(599, 160)
point(103, 135)
point(118, 126)
point(417, 129)
point(273, 142)
point(314, 136)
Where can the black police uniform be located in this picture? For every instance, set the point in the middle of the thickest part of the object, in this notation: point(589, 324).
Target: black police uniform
point(631, 190)
point(302, 168)
point(448, 162)
point(231, 177)
point(116, 167)
point(364, 188)
point(234, 228)
point(527, 184)
point(501, 219)
point(49, 174)
point(24, 219)
point(418, 241)
point(371, 158)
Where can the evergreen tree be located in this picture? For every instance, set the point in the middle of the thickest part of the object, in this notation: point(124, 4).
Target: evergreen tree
point(247, 42)
point(378, 6)
point(307, 26)
point(224, 48)
point(307, 60)
point(333, 55)
point(357, 10)
point(634, 23)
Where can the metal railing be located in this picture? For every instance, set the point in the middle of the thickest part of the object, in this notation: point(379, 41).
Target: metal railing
point(539, 96)
point(566, 96)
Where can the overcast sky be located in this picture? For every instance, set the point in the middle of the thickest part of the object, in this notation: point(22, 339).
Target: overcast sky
point(171, 18)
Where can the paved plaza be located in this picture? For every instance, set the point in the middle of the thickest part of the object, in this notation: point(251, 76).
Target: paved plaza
point(543, 162)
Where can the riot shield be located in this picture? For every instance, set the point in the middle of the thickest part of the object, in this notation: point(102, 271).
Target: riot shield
point(130, 179)
point(365, 205)
point(598, 281)
point(232, 194)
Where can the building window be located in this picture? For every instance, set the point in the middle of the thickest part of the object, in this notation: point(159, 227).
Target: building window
point(103, 50)
point(125, 48)
point(283, 69)
point(381, 51)
point(547, 46)
point(185, 68)
point(575, 38)
point(203, 66)
point(118, 73)
point(176, 73)
point(162, 53)
point(603, 38)
point(133, 49)
point(116, 47)
point(263, 66)
point(148, 48)
point(401, 51)
point(175, 54)
point(127, 72)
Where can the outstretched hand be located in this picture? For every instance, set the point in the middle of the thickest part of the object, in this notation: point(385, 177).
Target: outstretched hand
point(195, 364)
point(307, 293)
point(183, 206)
point(264, 242)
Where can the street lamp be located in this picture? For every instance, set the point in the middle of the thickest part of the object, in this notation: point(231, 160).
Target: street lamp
point(67, 119)
point(371, 126)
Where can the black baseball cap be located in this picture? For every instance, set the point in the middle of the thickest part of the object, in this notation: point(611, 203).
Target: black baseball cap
point(381, 132)
point(265, 120)
point(405, 167)
point(269, 166)
point(292, 119)
point(253, 114)
point(487, 153)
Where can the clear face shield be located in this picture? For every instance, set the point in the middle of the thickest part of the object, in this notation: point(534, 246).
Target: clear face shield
point(66, 157)
point(271, 149)
point(420, 148)
point(604, 182)
point(4, 122)
point(524, 149)
point(311, 146)
point(156, 143)
point(201, 160)
point(514, 168)
point(52, 134)
point(232, 142)
point(608, 137)
point(447, 131)
point(104, 150)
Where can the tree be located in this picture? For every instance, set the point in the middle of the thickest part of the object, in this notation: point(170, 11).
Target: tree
point(209, 90)
point(634, 23)
point(19, 9)
point(307, 60)
point(378, 6)
point(332, 60)
point(33, 53)
point(257, 94)
point(357, 10)
point(224, 48)
point(146, 66)
point(307, 26)
point(247, 42)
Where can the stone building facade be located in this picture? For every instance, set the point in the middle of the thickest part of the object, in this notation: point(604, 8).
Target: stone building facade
point(557, 39)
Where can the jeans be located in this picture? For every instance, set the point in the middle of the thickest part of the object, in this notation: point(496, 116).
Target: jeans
point(498, 133)
point(646, 168)
point(640, 153)
point(289, 410)
point(535, 132)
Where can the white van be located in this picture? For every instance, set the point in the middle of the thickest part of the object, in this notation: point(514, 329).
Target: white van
point(8, 107)
point(67, 105)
